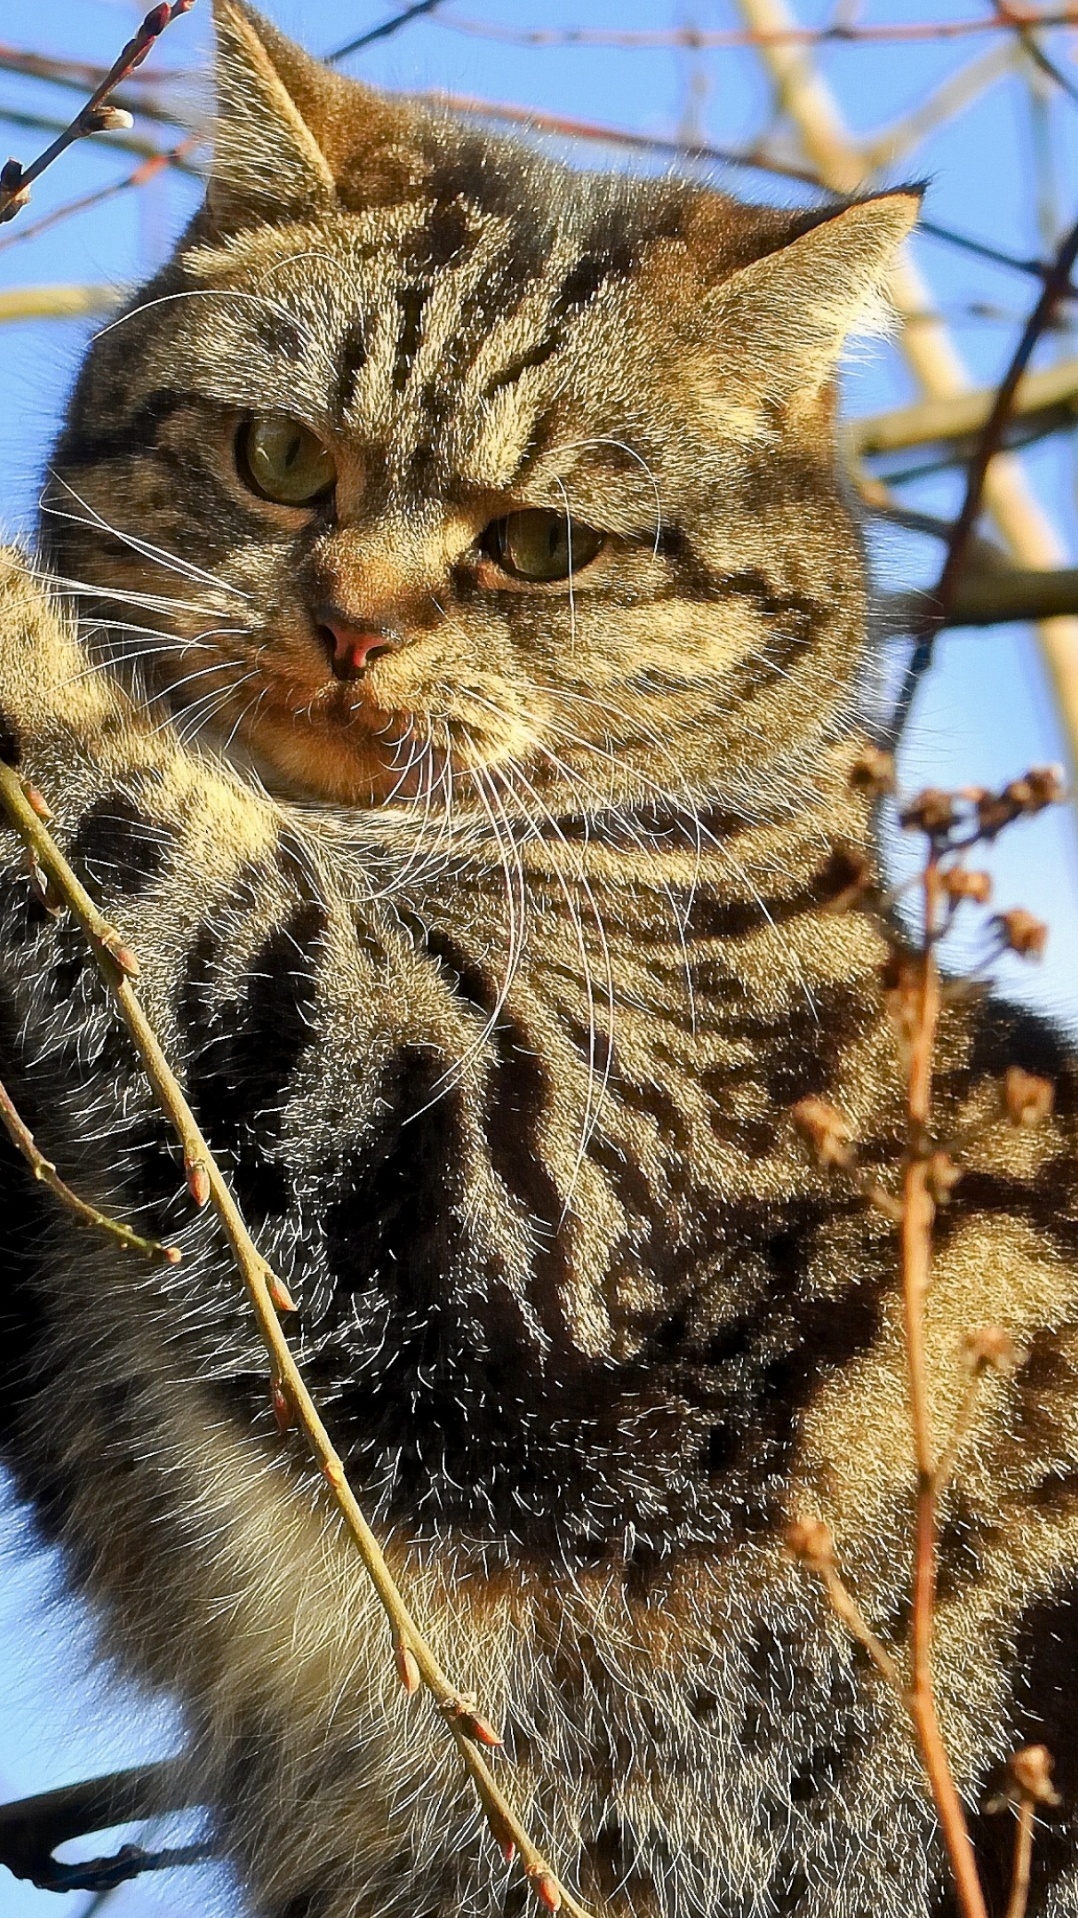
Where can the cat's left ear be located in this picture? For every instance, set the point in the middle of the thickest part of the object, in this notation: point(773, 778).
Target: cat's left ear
point(288, 128)
point(782, 320)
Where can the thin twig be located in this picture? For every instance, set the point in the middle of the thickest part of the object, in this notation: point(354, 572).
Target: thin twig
point(30, 229)
point(938, 613)
point(1022, 27)
point(918, 1213)
point(384, 32)
point(1023, 1859)
point(416, 1662)
point(45, 1172)
point(884, 33)
point(97, 115)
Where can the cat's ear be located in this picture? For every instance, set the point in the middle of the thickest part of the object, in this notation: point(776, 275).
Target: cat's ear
point(781, 321)
point(287, 129)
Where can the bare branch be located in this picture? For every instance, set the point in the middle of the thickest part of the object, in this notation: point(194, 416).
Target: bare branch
point(56, 302)
point(415, 1661)
point(1050, 396)
point(988, 598)
point(886, 33)
point(97, 116)
point(385, 31)
point(33, 1829)
point(45, 1172)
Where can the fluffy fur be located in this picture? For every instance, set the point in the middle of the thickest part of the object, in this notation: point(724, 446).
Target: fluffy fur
point(493, 973)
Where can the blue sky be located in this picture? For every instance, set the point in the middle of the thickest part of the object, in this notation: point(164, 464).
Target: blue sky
point(1000, 171)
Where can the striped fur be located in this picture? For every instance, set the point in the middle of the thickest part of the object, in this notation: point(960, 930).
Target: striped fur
point(501, 1067)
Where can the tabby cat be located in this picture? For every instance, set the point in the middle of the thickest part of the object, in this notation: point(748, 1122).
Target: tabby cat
point(458, 721)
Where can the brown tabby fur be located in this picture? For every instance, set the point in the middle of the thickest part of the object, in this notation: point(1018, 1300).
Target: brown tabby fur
point(493, 976)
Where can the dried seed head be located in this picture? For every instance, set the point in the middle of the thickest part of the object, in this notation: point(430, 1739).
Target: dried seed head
point(943, 1176)
point(1041, 786)
point(826, 1131)
point(1029, 1772)
point(990, 1350)
point(809, 1541)
point(1027, 1100)
point(960, 884)
point(873, 771)
point(932, 811)
point(845, 879)
point(1020, 932)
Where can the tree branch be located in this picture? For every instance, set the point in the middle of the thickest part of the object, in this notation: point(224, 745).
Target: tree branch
point(97, 116)
point(33, 1829)
point(415, 1661)
point(56, 302)
point(1050, 396)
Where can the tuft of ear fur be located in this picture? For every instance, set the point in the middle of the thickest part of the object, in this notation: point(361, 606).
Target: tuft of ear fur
point(782, 320)
point(267, 162)
point(291, 136)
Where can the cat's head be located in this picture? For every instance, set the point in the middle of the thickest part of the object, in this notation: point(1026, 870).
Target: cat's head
point(425, 456)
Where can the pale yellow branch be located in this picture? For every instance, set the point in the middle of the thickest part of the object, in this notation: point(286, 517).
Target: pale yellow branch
point(56, 302)
point(925, 341)
point(926, 422)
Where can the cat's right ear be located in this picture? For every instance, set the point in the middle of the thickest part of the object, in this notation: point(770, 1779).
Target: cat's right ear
point(289, 134)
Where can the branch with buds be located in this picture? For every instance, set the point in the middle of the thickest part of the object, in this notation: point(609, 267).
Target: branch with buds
point(98, 115)
point(292, 1403)
point(953, 825)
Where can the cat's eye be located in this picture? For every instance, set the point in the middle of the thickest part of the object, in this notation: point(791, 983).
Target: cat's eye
point(284, 461)
point(540, 545)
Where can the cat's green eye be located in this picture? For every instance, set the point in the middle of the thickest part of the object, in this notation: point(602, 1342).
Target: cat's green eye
point(284, 461)
point(539, 545)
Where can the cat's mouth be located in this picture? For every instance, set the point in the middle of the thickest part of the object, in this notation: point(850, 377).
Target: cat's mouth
point(350, 744)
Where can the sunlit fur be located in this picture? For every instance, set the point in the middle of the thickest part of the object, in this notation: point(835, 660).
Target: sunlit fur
point(493, 976)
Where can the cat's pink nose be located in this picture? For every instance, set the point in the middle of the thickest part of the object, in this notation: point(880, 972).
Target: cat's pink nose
point(352, 648)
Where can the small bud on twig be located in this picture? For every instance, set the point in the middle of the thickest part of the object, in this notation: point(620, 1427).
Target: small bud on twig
point(1020, 932)
point(282, 1406)
point(825, 1130)
point(1027, 1099)
point(279, 1293)
point(990, 1350)
point(14, 196)
point(407, 1667)
point(545, 1886)
point(120, 954)
point(37, 803)
point(873, 771)
point(198, 1181)
point(943, 1176)
point(106, 119)
point(43, 889)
